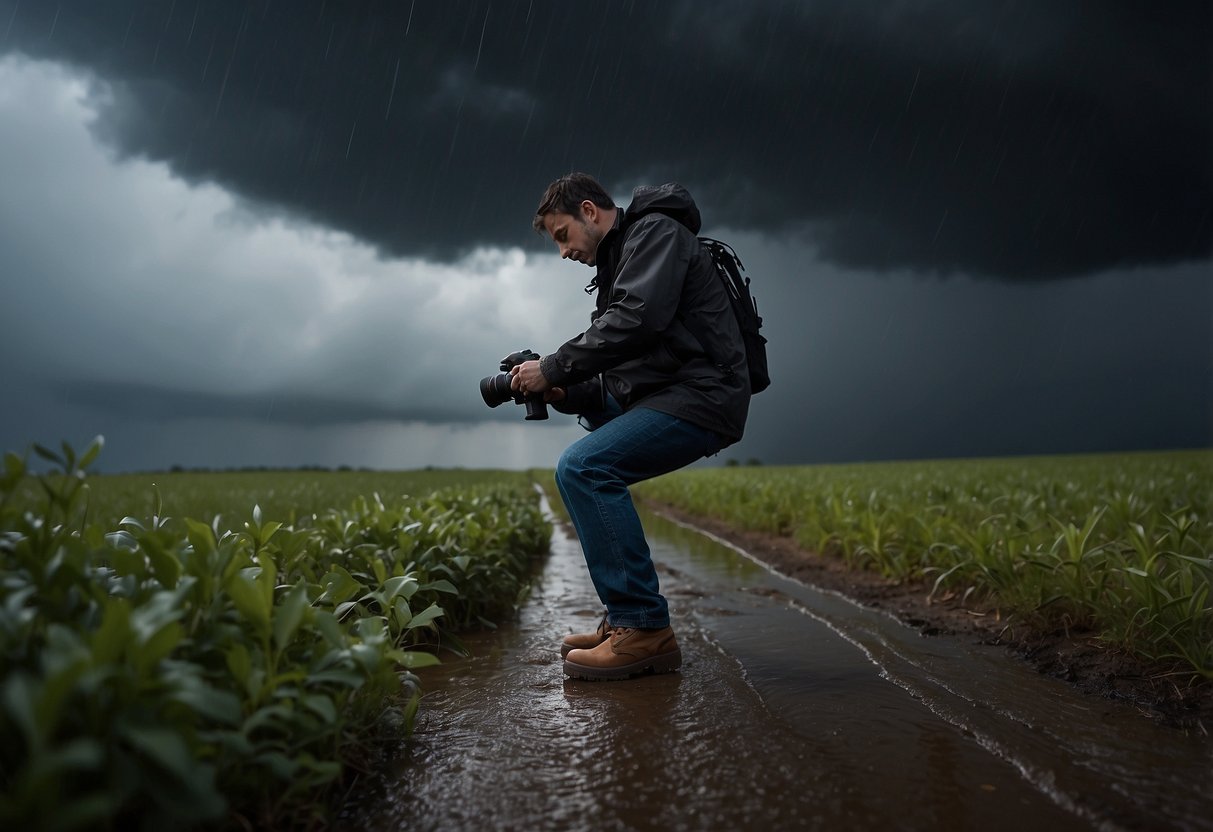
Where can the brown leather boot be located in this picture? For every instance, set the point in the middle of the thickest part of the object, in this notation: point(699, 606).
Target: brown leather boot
point(626, 653)
point(586, 641)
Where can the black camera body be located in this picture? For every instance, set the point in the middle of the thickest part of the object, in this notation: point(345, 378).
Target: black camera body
point(496, 389)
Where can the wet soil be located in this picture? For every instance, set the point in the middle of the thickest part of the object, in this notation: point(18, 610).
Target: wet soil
point(1162, 693)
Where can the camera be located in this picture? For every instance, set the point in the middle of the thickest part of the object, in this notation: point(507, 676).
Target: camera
point(496, 389)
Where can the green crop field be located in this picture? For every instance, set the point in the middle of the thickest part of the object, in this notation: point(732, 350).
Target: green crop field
point(1121, 543)
point(287, 496)
point(211, 650)
point(223, 649)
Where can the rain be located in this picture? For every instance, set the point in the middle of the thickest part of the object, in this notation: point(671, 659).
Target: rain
point(284, 234)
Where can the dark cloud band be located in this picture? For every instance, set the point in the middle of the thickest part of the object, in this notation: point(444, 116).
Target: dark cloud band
point(1010, 140)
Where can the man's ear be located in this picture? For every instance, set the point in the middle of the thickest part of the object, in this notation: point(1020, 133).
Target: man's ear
point(589, 211)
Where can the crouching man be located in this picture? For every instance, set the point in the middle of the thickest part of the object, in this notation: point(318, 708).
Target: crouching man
point(659, 378)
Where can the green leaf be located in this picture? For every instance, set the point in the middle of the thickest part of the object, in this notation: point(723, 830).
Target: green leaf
point(371, 630)
point(402, 585)
point(322, 706)
point(49, 455)
point(165, 747)
point(267, 531)
point(250, 601)
point(425, 616)
point(165, 565)
point(346, 678)
point(192, 791)
point(289, 614)
point(326, 622)
point(282, 766)
point(92, 451)
point(14, 467)
point(268, 715)
point(368, 656)
point(323, 771)
point(217, 705)
point(233, 741)
point(401, 612)
point(413, 659)
point(69, 454)
point(239, 662)
point(339, 586)
point(124, 560)
point(201, 537)
point(267, 579)
point(158, 647)
point(441, 585)
point(110, 640)
point(19, 695)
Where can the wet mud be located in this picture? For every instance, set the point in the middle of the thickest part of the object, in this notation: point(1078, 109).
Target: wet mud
point(796, 708)
point(1161, 691)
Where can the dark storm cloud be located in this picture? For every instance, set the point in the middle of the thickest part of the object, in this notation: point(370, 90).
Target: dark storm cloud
point(1005, 139)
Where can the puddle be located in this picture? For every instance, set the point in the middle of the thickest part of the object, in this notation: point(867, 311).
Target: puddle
point(795, 709)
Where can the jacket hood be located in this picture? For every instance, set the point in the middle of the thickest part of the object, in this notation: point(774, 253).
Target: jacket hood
point(670, 199)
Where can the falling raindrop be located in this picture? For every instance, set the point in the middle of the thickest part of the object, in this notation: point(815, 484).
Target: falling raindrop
point(482, 31)
point(206, 66)
point(526, 127)
point(392, 94)
point(911, 98)
point(11, 18)
point(193, 23)
point(939, 228)
point(127, 35)
point(350, 143)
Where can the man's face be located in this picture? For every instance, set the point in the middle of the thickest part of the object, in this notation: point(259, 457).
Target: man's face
point(576, 237)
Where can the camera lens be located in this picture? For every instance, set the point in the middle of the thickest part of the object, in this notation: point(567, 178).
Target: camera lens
point(496, 389)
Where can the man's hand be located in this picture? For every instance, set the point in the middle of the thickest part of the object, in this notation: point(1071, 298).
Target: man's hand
point(526, 378)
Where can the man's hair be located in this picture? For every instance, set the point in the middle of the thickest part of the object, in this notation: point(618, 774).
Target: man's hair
point(565, 195)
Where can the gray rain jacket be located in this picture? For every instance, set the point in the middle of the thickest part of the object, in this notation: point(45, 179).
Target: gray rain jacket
point(663, 334)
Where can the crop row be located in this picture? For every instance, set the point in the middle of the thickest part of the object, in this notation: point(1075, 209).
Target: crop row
point(1119, 543)
point(158, 671)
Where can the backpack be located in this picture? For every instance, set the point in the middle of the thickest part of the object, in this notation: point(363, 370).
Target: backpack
point(745, 309)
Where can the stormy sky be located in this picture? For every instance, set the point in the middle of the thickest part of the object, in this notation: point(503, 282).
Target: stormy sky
point(272, 233)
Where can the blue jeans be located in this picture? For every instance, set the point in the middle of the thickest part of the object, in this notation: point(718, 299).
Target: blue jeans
point(593, 476)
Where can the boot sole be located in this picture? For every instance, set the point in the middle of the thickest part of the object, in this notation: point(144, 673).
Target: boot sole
point(665, 663)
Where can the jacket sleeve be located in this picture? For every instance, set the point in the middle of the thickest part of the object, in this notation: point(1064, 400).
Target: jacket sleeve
point(644, 299)
point(584, 397)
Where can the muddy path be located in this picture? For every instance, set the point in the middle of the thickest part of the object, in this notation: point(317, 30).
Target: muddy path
point(795, 709)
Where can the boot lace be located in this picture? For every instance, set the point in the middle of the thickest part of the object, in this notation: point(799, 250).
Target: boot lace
point(604, 626)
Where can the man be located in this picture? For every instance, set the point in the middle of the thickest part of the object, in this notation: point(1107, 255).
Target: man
point(659, 378)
